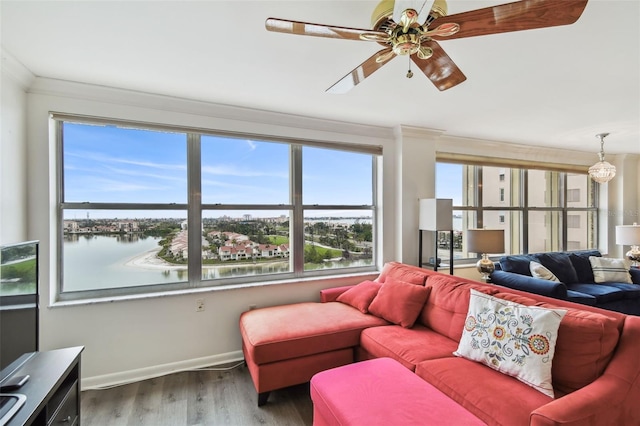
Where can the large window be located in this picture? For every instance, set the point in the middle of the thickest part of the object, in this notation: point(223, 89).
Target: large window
point(539, 210)
point(145, 208)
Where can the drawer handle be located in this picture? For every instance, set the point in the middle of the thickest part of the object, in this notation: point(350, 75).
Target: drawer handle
point(67, 420)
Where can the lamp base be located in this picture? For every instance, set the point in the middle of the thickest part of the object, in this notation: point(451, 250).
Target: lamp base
point(634, 255)
point(485, 266)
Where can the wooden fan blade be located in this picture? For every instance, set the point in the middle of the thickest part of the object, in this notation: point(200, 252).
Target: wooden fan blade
point(518, 16)
point(361, 72)
point(439, 68)
point(319, 30)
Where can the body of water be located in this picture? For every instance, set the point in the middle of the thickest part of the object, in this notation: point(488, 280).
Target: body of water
point(94, 262)
point(99, 261)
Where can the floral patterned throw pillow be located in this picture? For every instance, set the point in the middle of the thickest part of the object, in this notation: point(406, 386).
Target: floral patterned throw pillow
point(513, 339)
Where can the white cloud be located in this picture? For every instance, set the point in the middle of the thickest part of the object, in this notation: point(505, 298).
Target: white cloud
point(226, 170)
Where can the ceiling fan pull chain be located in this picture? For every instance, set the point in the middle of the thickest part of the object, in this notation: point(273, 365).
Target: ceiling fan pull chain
point(409, 73)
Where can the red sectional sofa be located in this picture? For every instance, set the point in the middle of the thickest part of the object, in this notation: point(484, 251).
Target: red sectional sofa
point(595, 368)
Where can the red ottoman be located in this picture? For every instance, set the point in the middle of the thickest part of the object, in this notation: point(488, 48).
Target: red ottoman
point(382, 392)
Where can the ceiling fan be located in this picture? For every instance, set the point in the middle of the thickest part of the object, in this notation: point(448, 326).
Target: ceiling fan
point(407, 28)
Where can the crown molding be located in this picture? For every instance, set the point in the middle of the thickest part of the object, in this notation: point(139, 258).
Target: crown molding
point(404, 131)
point(91, 92)
point(16, 70)
point(510, 150)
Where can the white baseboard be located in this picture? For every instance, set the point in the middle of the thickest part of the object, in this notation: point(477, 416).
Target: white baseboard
point(130, 376)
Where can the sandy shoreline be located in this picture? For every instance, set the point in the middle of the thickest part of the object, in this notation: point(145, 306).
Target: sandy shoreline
point(150, 260)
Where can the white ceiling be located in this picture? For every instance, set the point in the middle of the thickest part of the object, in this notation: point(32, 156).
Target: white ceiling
point(548, 87)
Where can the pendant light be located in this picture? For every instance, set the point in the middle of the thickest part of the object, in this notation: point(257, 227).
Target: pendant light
point(602, 171)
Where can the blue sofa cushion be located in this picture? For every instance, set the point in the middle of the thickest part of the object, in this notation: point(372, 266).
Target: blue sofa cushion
point(530, 284)
point(603, 293)
point(518, 264)
point(631, 291)
point(580, 262)
point(585, 299)
point(561, 266)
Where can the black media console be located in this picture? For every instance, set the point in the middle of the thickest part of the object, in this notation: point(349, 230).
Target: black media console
point(53, 390)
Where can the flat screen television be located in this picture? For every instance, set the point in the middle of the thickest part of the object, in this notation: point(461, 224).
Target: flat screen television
point(18, 305)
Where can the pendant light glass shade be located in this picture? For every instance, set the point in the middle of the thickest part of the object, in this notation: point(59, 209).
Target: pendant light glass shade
point(602, 171)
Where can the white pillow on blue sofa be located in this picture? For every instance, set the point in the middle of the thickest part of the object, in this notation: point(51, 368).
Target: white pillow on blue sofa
point(606, 270)
point(538, 270)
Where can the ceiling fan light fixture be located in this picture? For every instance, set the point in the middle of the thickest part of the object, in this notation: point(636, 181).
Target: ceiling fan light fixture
point(602, 171)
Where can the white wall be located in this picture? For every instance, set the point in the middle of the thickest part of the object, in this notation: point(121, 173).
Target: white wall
point(135, 338)
point(13, 151)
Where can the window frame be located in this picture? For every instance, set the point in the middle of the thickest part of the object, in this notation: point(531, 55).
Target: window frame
point(194, 209)
point(474, 173)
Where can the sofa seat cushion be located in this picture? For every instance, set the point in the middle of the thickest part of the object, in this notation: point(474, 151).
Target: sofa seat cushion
point(583, 298)
point(602, 292)
point(408, 346)
point(631, 291)
point(300, 329)
point(493, 397)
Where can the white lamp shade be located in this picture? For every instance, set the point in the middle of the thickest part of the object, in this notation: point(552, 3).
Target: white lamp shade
point(628, 235)
point(485, 240)
point(436, 214)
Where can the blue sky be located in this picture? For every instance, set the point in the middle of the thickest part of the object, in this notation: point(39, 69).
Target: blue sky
point(112, 164)
point(449, 182)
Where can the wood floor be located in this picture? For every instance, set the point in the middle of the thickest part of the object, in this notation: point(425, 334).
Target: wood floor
point(195, 398)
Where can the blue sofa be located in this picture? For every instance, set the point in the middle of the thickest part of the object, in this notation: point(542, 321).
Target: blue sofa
point(577, 282)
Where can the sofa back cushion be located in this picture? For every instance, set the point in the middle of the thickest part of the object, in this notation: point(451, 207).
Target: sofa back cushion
point(580, 262)
point(586, 342)
point(518, 263)
point(560, 264)
point(447, 305)
point(401, 272)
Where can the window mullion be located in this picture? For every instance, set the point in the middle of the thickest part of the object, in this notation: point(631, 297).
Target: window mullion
point(296, 229)
point(194, 212)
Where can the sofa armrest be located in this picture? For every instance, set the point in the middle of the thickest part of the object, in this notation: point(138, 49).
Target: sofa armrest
point(610, 399)
point(530, 284)
point(331, 294)
point(635, 275)
point(591, 405)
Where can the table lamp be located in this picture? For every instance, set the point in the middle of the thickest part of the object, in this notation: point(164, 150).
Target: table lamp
point(629, 235)
point(485, 241)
